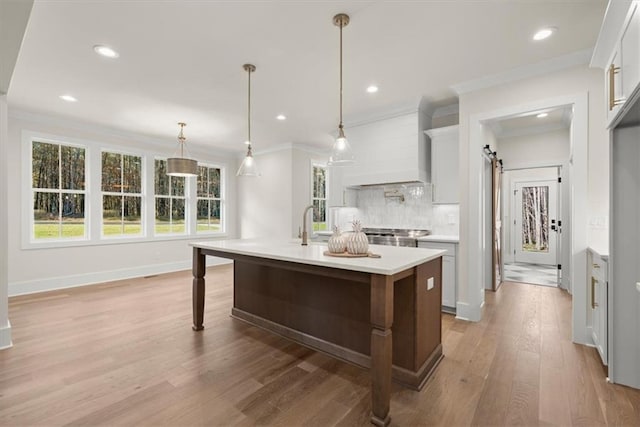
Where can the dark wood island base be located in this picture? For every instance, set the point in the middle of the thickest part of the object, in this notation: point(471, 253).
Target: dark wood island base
point(389, 324)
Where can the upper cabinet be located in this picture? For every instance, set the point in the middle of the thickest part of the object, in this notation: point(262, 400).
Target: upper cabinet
point(444, 164)
point(389, 150)
point(618, 53)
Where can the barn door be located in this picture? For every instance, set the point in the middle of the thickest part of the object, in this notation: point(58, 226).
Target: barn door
point(536, 204)
point(497, 223)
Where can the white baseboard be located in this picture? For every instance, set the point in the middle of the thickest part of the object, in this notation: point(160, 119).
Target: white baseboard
point(72, 281)
point(5, 336)
point(468, 312)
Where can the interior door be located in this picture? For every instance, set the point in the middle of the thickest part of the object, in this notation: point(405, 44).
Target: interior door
point(535, 224)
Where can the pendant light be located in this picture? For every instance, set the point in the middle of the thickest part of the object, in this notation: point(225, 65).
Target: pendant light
point(248, 166)
point(341, 153)
point(182, 166)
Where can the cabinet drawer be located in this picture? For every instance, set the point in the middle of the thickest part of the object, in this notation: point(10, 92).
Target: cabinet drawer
point(449, 247)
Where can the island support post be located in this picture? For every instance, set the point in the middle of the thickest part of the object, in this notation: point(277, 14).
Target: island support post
point(197, 294)
point(381, 347)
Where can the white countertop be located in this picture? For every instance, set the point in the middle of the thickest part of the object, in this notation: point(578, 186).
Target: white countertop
point(439, 238)
point(393, 259)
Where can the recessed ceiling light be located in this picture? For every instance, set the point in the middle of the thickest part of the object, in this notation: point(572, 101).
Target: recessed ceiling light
point(281, 117)
point(105, 51)
point(544, 33)
point(542, 115)
point(372, 89)
point(68, 98)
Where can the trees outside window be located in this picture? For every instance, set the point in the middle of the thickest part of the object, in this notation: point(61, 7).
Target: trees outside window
point(209, 200)
point(121, 194)
point(319, 197)
point(535, 219)
point(58, 188)
point(170, 212)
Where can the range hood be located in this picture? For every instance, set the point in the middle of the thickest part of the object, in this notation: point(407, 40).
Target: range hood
point(390, 150)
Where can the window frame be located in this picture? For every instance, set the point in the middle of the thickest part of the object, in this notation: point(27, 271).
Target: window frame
point(186, 199)
point(323, 165)
point(28, 234)
point(142, 195)
point(221, 199)
point(93, 196)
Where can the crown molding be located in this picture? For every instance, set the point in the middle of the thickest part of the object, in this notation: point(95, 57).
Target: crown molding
point(397, 110)
point(555, 64)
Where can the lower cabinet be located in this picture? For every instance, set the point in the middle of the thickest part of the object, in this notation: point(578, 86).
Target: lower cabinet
point(449, 273)
point(598, 303)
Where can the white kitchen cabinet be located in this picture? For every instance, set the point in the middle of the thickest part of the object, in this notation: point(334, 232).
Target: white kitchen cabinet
point(449, 272)
point(598, 301)
point(619, 44)
point(444, 164)
point(388, 150)
point(630, 52)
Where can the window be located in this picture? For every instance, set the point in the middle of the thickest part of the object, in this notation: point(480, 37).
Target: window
point(58, 187)
point(209, 217)
point(121, 194)
point(170, 201)
point(319, 197)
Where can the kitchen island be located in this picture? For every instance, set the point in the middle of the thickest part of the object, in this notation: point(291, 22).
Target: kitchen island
point(382, 314)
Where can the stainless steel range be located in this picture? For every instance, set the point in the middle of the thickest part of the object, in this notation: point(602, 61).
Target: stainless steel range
point(394, 236)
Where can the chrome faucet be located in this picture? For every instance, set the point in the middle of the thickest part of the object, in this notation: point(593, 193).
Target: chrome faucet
point(304, 224)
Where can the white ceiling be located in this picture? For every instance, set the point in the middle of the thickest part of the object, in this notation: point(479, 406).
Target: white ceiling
point(182, 60)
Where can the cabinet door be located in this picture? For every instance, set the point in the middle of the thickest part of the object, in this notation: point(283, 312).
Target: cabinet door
point(449, 281)
point(630, 53)
point(599, 304)
point(444, 169)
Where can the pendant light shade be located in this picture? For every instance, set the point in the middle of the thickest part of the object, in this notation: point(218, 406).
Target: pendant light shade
point(248, 166)
point(341, 153)
point(182, 166)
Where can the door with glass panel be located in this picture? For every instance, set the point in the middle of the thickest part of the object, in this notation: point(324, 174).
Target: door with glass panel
point(536, 222)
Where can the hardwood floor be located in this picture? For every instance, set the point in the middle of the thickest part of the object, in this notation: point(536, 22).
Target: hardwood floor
point(123, 353)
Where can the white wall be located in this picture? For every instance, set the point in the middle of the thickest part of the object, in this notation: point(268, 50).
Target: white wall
point(579, 83)
point(5, 326)
point(32, 270)
point(543, 148)
point(265, 202)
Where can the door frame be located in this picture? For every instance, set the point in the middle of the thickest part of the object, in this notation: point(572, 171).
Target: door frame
point(514, 209)
point(472, 295)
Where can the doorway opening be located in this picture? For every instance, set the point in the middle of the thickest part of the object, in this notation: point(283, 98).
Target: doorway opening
point(533, 221)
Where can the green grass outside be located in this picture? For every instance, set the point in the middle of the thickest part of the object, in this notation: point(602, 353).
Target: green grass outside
point(319, 226)
point(51, 230)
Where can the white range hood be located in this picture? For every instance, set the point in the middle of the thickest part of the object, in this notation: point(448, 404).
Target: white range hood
point(390, 150)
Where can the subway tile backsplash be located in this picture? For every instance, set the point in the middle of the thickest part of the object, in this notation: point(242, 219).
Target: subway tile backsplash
point(398, 206)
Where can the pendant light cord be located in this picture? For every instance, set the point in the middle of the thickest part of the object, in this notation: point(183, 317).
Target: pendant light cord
point(341, 25)
point(249, 110)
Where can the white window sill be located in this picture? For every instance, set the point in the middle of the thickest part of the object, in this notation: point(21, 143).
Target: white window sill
point(50, 244)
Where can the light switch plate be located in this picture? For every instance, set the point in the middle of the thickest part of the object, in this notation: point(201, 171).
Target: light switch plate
point(430, 283)
point(638, 286)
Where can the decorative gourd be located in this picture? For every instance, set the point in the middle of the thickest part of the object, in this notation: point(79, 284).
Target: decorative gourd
point(336, 242)
point(357, 242)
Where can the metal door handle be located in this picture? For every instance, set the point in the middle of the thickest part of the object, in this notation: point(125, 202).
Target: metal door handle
point(594, 304)
point(613, 102)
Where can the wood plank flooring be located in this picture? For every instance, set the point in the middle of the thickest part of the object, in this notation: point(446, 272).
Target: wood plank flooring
point(124, 354)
